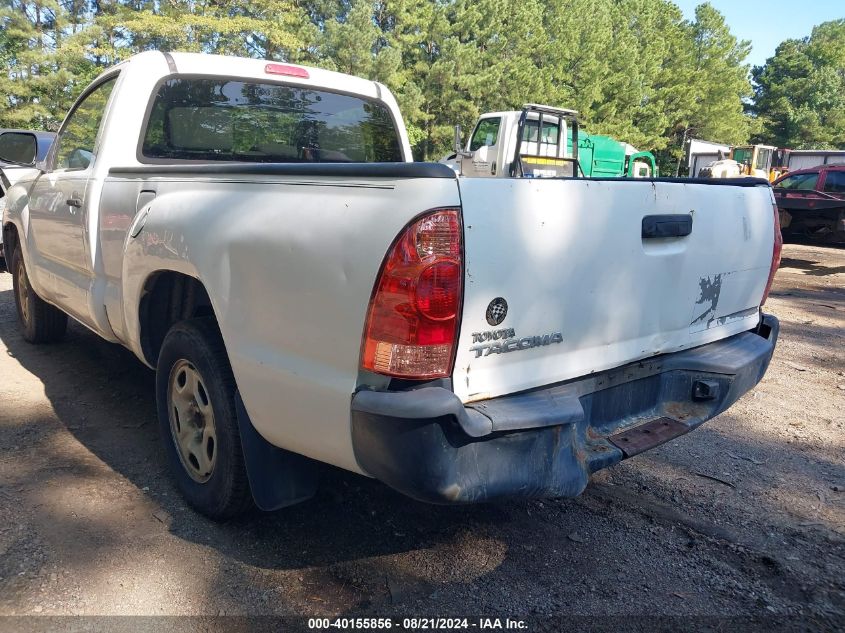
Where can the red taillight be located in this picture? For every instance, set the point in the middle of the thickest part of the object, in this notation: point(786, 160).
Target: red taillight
point(776, 250)
point(438, 290)
point(287, 70)
point(412, 321)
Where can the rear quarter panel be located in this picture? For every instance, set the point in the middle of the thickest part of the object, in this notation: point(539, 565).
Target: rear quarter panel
point(289, 266)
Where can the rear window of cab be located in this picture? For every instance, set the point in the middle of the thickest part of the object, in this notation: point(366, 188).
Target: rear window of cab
point(217, 119)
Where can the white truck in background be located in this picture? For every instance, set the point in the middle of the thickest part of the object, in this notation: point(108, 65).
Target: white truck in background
point(537, 142)
point(257, 234)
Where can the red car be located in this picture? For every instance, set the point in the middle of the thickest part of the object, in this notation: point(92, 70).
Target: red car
point(812, 202)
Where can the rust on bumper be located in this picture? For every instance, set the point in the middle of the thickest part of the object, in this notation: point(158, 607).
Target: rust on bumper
point(646, 436)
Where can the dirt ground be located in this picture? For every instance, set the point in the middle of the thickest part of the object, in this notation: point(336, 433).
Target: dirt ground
point(743, 517)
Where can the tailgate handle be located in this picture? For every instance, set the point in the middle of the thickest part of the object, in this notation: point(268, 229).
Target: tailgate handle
point(675, 225)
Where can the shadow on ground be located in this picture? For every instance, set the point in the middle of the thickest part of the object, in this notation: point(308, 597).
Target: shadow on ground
point(358, 545)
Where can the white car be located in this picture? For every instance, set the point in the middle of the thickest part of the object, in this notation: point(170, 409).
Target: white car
point(257, 233)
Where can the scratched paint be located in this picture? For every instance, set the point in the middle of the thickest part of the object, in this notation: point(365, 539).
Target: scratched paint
point(710, 288)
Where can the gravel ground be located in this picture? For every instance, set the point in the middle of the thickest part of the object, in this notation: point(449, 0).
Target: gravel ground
point(744, 517)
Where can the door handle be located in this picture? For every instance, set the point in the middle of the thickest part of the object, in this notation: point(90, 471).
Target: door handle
point(74, 202)
point(670, 225)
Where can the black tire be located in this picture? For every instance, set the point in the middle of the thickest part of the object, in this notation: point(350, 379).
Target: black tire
point(836, 237)
point(788, 235)
point(39, 321)
point(225, 493)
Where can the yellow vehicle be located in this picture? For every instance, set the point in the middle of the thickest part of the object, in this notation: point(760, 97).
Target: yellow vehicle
point(756, 161)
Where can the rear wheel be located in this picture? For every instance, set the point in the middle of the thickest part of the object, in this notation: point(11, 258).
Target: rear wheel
point(195, 394)
point(836, 237)
point(39, 321)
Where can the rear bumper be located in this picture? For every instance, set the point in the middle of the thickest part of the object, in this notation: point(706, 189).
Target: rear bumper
point(545, 443)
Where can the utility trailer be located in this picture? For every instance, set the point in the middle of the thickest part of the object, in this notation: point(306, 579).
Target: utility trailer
point(806, 158)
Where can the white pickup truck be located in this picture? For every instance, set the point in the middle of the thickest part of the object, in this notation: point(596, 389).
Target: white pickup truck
point(258, 234)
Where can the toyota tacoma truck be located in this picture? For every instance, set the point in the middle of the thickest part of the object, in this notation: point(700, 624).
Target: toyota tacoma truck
point(258, 234)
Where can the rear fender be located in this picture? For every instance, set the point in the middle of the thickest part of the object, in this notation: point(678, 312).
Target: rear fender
point(155, 243)
point(289, 267)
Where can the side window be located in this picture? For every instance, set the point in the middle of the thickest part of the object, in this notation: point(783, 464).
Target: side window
point(799, 182)
point(834, 182)
point(486, 133)
point(76, 140)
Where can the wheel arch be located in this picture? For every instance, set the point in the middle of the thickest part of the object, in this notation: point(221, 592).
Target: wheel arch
point(168, 297)
point(10, 239)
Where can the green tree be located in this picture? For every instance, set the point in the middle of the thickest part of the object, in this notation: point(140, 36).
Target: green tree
point(629, 72)
point(720, 78)
point(708, 87)
point(480, 55)
point(270, 29)
point(800, 91)
point(634, 69)
point(44, 66)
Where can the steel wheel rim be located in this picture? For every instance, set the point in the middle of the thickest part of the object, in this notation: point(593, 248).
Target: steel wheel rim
point(23, 293)
point(192, 421)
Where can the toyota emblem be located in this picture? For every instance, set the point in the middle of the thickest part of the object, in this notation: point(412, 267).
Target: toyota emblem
point(497, 311)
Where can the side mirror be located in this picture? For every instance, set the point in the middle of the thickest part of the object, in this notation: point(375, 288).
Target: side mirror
point(458, 140)
point(18, 148)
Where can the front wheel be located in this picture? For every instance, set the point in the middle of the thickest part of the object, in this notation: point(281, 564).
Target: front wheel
point(195, 396)
point(39, 321)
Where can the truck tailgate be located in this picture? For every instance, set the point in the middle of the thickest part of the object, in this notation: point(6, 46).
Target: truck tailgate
point(563, 281)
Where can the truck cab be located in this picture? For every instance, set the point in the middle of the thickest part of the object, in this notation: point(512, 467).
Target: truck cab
point(533, 143)
point(755, 160)
point(537, 142)
point(748, 161)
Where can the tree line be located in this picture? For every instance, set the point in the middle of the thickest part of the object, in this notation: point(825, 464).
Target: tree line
point(634, 69)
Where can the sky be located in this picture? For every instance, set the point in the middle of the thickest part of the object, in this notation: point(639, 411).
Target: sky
point(766, 23)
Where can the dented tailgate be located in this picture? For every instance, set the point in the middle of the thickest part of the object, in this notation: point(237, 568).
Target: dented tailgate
point(569, 277)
